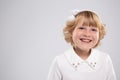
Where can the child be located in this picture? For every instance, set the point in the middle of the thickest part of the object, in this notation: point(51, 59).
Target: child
point(83, 61)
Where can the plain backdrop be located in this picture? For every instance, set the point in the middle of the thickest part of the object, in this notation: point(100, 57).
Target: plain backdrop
point(31, 34)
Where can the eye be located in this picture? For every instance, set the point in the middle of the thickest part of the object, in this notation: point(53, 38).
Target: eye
point(94, 29)
point(81, 28)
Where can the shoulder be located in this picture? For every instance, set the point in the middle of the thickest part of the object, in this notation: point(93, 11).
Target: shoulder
point(62, 59)
point(102, 59)
point(62, 56)
point(59, 59)
point(102, 55)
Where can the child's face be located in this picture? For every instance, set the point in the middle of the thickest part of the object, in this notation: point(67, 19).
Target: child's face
point(85, 37)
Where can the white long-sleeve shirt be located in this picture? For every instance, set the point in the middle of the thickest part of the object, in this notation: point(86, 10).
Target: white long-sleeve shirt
point(69, 66)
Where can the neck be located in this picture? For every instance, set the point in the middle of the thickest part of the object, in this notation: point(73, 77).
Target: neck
point(84, 54)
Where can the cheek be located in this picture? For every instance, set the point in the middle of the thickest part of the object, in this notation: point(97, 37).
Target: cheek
point(96, 36)
point(75, 35)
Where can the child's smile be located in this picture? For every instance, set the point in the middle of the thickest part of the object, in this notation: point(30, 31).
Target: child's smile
point(85, 40)
point(85, 37)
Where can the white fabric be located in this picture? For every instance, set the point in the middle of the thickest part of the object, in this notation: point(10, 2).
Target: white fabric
point(69, 66)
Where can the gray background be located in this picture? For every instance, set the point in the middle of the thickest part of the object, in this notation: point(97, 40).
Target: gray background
point(31, 34)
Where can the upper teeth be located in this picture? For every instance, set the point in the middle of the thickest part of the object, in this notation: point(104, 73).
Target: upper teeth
point(85, 40)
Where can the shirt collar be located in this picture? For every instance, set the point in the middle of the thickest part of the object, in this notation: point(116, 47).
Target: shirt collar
point(76, 61)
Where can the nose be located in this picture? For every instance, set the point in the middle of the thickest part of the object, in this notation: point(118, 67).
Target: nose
point(87, 33)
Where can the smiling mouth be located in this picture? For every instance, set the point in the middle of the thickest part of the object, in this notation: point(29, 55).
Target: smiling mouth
point(85, 40)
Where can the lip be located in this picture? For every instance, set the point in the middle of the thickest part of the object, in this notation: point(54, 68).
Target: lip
point(85, 40)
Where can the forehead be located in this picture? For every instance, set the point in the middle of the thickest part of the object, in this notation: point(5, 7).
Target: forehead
point(87, 21)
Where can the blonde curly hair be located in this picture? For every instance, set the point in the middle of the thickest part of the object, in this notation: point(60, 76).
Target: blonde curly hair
point(89, 19)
